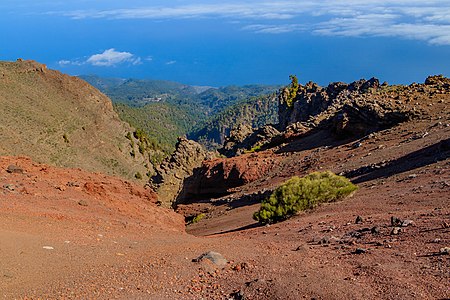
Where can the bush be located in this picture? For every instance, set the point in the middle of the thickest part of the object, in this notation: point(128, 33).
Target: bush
point(299, 194)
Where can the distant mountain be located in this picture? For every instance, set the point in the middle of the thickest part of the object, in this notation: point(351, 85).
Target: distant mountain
point(166, 109)
point(61, 120)
point(254, 111)
point(137, 92)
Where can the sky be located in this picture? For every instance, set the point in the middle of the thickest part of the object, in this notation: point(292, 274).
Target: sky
point(229, 42)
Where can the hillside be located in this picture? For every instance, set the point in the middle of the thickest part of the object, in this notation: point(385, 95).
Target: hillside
point(255, 112)
point(61, 120)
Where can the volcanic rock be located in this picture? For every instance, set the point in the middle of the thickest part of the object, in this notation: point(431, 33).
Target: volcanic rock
point(170, 175)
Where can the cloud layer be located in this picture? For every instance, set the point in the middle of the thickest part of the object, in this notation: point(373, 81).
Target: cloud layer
point(424, 20)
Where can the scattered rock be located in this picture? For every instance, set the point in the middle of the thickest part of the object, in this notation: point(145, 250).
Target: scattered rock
point(214, 257)
point(396, 221)
point(406, 223)
point(444, 251)
point(9, 187)
point(375, 230)
point(14, 169)
point(359, 220)
point(396, 230)
point(239, 295)
point(82, 202)
point(48, 248)
point(302, 248)
point(359, 251)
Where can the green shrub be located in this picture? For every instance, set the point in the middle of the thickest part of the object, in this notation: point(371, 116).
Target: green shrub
point(293, 89)
point(299, 194)
point(138, 176)
point(197, 218)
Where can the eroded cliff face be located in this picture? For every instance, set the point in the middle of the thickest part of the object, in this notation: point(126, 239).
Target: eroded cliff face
point(171, 174)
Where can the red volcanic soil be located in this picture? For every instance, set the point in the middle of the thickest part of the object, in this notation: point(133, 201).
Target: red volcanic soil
point(69, 234)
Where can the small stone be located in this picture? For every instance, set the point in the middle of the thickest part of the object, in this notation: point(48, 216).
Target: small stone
point(302, 248)
point(406, 223)
point(356, 145)
point(14, 169)
point(396, 221)
point(9, 187)
point(82, 203)
point(360, 251)
point(445, 251)
point(324, 241)
point(48, 248)
point(239, 295)
point(359, 220)
point(375, 230)
point(396, 230)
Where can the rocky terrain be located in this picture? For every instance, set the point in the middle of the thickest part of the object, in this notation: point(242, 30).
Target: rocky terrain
point(71, 234)
point(63, 121)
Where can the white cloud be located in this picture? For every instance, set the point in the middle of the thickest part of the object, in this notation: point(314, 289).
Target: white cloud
point(425, 20)
point(172, 62)
point(111, 57)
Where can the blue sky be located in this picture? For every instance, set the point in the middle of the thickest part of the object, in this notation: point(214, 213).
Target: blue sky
point(232, 42)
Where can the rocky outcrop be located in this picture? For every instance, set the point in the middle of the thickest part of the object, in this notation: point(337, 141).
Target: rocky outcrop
point(245, 139)
point(351, 109)
point(170, 175)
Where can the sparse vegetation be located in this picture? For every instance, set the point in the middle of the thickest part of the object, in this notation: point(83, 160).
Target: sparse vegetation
point(195, 219)
point(293, 89)
point(66, 138)
point(138, 176)
point(299, 194)
point(253, 149)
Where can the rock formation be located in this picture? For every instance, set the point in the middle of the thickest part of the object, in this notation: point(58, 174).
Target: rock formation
point(348, 109)
point(245, 139)
point(170, 175)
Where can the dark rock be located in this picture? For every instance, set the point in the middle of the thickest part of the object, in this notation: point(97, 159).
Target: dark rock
point(359, 220)
point(396, 221)
point(14, 169)
point(360, 251)
point(239, 295)
point(375, 230)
